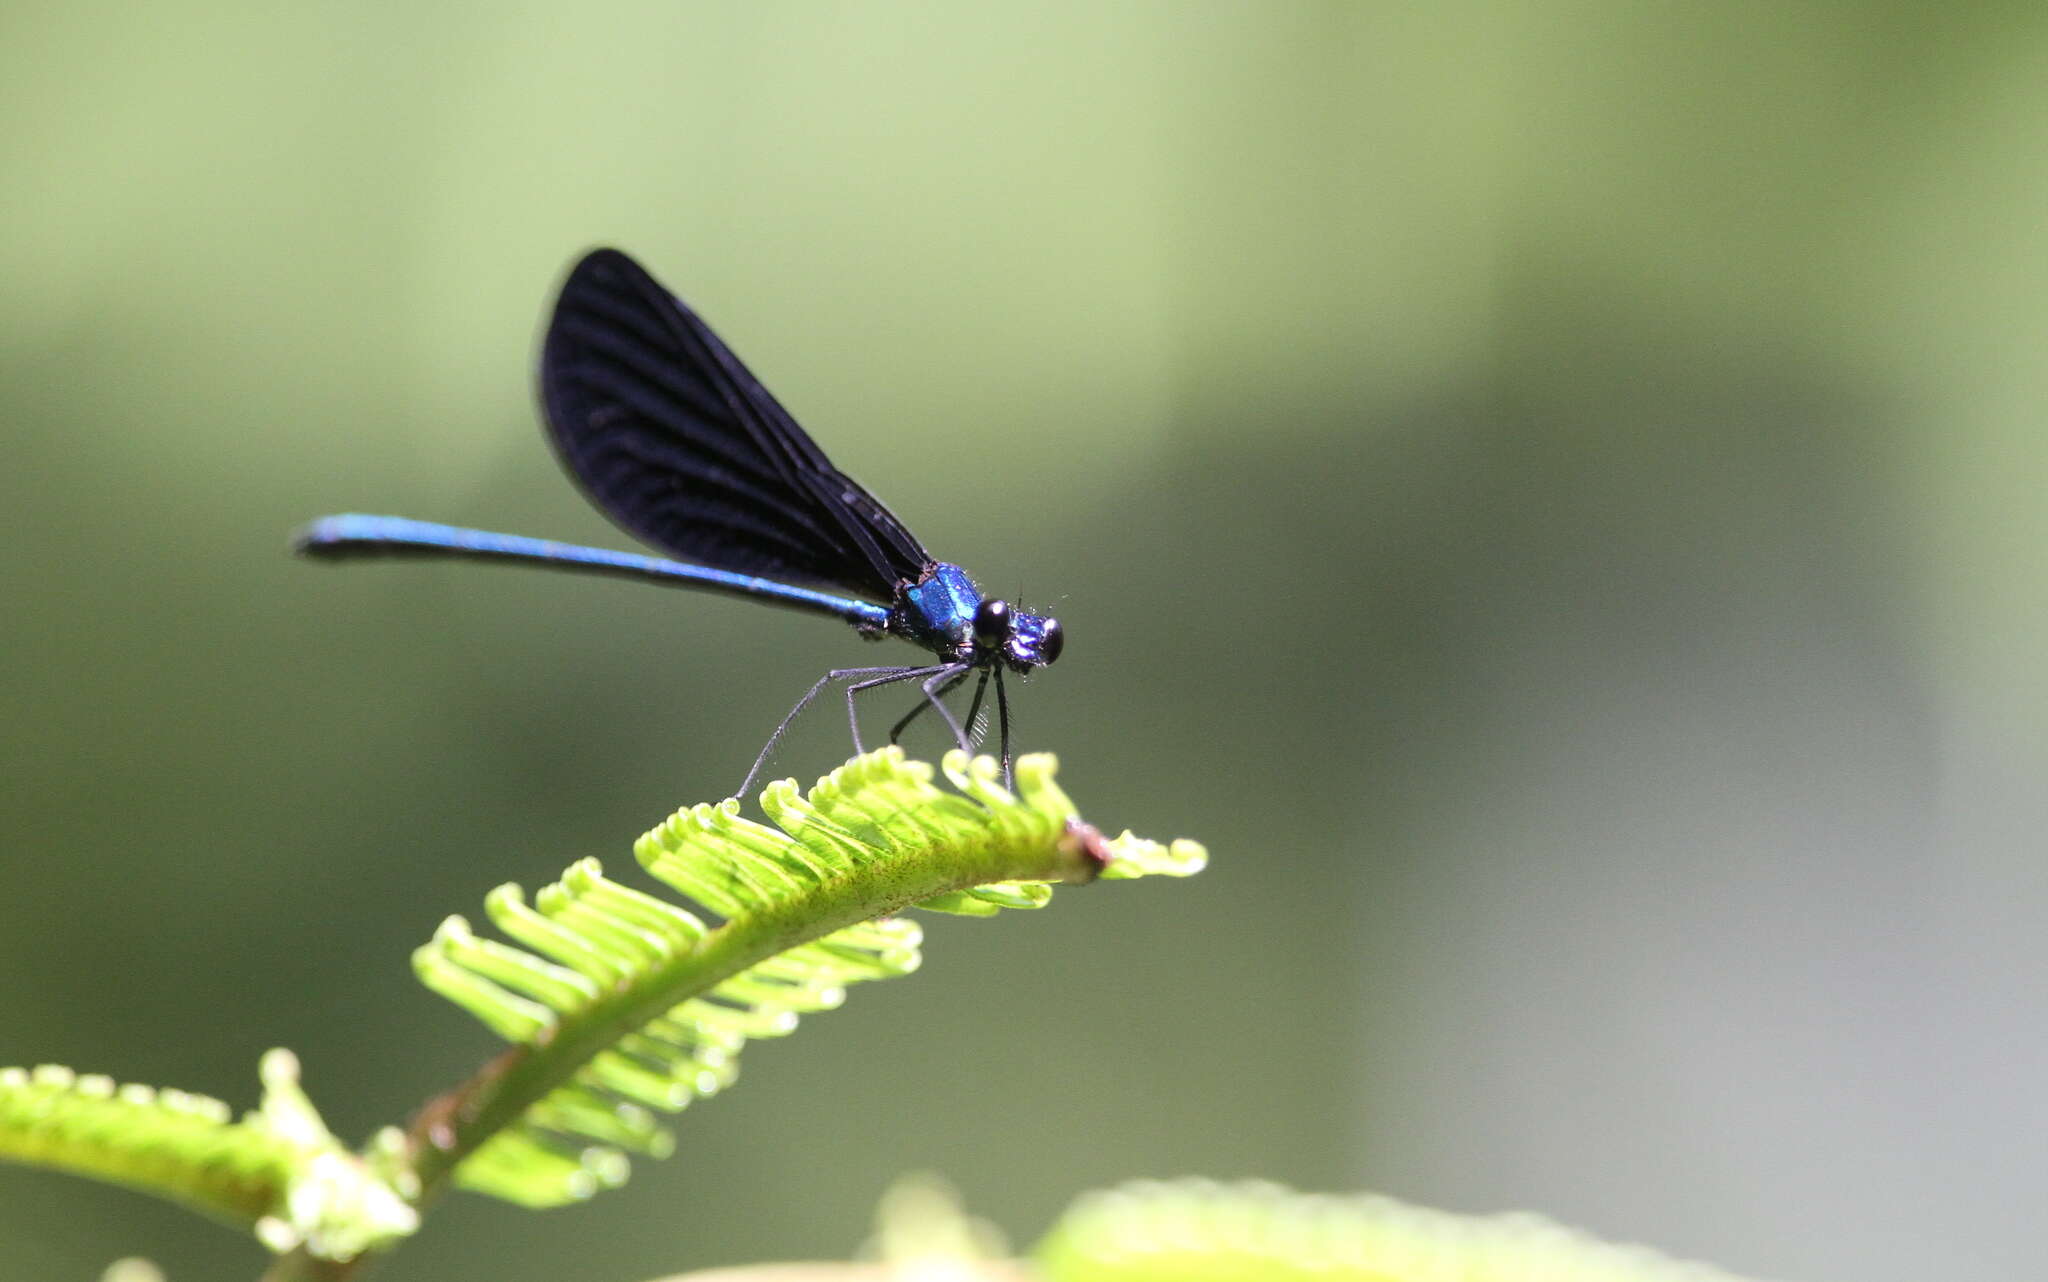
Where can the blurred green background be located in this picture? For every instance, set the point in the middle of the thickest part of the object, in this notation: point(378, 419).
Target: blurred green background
point(1551, 494)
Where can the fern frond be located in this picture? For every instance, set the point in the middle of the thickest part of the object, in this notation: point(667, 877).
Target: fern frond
point(1200, 1231)
point(277, 1172)
point(622, 1005)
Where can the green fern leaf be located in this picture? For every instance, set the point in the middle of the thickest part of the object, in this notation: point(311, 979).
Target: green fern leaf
point(623, 1006)
point(277, 1172)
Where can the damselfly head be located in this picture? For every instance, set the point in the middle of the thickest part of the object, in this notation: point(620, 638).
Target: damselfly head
point(1020, 641)
point(1034, 642)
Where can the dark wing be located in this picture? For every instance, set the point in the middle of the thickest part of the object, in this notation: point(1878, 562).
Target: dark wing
point(673, 439)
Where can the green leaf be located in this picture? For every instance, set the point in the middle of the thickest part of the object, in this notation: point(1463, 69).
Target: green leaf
point(277, 1172)
point(622, 1005)
point(1200, 1231)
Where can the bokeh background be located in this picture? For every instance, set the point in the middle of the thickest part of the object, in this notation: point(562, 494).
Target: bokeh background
point(1551, 494)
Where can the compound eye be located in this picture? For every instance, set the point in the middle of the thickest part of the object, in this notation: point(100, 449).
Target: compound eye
point(1050, 639)
point(991, 624)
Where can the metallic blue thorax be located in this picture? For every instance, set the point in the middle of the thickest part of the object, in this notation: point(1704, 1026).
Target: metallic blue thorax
point(938, 611)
